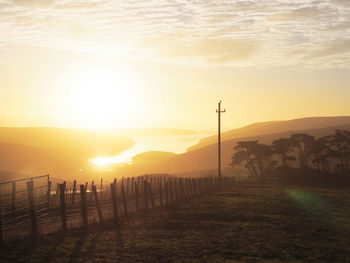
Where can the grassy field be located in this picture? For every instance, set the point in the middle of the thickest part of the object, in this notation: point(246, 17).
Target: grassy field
point(245, 224)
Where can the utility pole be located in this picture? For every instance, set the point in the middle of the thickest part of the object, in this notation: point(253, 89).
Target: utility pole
point(219, 111)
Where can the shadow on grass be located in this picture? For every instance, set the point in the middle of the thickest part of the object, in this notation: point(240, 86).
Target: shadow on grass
point(77, 250)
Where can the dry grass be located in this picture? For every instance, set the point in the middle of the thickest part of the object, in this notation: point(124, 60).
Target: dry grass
point(246, 224)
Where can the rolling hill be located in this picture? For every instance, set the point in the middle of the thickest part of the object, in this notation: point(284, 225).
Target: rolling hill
point(62, 152)
point(261, 128)
point(205, 158)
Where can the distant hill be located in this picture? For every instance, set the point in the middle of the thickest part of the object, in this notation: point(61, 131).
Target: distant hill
point(205, 158)
point(157, 131)
point(261, 128)
point(61, 152)
point(152, 156)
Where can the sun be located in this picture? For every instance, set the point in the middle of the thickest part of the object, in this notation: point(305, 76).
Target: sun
point(104, 97)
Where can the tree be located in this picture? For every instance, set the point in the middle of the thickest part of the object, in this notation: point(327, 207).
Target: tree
point(257, 157)
point(263, 155)
point(282, 147)
point(339, 147)
point(245, 153)
point(302, 144)
point(319, 152)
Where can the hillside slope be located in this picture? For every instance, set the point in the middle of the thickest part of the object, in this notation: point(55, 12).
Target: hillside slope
point(62, 152)
point(261, 128)
point(205, 158)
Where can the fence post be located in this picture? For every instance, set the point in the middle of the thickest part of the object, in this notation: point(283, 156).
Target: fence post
point(114, 202)
point(160, 194)
point(83, 206)
point(30, 186)
point(49, 183)
point(101, 188)
point(1, 233)
point(151, 195)
point(127, 186)
point(63, 209)
point(182, 190)
point(13, 196)
point(166, 193)
point(145, 194)
point(91, 192)
point(98, 207)
point(171, 194)
point(137, 196)
point(57, 193)
point(176, 189)
point(74, 191)
point(132, 185)
point(124, 201)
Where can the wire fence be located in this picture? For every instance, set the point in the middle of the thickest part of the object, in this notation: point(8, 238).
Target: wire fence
point(30, 207)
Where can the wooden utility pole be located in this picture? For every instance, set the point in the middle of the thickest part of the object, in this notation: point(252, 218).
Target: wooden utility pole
point(219, 111)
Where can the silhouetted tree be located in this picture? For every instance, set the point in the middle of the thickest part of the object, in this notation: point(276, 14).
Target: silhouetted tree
point(302, 144)
point(322, 152)
point(319, 152)
point(282, 147)
point(339, 147)
point(263, 155)
point(245, 153)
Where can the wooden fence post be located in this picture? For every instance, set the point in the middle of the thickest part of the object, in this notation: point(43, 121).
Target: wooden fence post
point(137, 196)
point(124, 201)
point(30, 189)
point(175, 184)
point(13, 196)
point(48, 193)
point(145, 194)
point(83, 206)
point(63, 209)
point(132, 185)
point(160, 194)
point(101, 189)
point(166, 194)
point(171, 193)
point(98, 206)
point(114, 203)
point(182, 190)
point(151, 195)
point(91, 192)
point(127, 186)
point(1, 232)
point(74, 191)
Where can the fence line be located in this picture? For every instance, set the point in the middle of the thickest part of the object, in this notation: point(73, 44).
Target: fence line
point(37, 210)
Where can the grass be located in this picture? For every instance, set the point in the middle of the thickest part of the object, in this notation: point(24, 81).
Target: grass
point(245, 224)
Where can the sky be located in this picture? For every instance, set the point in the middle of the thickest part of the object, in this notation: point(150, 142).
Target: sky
point(121, 64)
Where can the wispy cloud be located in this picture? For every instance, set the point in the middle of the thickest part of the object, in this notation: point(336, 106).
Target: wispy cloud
point(211, 32)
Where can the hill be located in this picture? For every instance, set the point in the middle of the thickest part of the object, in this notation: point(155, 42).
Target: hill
point(205, 158)
point(62, 152)
point(262, 128)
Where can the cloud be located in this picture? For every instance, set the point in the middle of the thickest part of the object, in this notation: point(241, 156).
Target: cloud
point(212, 31)
point(212, 50)
point(38, 3)
point(343, 3)
point(336, 47)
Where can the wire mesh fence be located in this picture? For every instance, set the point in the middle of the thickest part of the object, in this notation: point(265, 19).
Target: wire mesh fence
point(30, 207)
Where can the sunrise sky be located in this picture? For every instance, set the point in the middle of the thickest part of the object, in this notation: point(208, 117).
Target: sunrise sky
point(117, 64)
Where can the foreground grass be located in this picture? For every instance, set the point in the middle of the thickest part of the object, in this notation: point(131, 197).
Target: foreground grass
point(245, 224)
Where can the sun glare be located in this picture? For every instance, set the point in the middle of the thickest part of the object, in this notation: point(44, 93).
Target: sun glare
point(101, 97)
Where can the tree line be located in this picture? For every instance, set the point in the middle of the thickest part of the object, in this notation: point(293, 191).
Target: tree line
point(328, 154)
